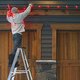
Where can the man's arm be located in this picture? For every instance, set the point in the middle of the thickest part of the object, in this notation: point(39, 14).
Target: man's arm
point(26, 12)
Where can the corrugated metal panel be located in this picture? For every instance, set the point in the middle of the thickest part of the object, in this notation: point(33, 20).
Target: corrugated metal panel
point(46, 43)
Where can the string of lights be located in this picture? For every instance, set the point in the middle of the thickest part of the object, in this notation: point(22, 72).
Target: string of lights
point(56, 7)
point(40, 6)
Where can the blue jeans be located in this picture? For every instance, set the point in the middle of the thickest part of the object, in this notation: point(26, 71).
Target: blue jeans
point(17, 41)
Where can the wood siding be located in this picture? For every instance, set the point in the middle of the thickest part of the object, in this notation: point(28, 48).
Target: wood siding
point(68, 55)
point(3, 55)
point(65, 49)
point(31, 41)
point(66, 43)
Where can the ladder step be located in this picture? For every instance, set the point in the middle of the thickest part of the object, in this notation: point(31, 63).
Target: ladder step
point(20, 71)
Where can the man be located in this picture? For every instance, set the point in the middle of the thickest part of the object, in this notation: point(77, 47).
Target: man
point(17, 27)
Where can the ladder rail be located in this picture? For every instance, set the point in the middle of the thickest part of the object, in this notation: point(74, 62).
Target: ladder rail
point(15, 69)
point(27, 65)
point(24, 64)
point(13, 64)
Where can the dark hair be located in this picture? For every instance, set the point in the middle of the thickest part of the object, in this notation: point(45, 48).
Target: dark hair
point(14, 10)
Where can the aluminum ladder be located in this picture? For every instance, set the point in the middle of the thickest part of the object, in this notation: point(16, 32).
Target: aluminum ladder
point(14, 70)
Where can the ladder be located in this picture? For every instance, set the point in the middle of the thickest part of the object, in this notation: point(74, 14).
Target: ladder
point(14, 70)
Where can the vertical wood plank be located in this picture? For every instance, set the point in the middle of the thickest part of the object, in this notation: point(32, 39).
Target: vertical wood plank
point(4, 52)
point(68, 49)
point(53, 44)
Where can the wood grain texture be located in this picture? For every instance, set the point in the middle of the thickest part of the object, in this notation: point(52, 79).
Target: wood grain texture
point(68, 53)
point(4, 54)
point(65, 48)
point(30, 40)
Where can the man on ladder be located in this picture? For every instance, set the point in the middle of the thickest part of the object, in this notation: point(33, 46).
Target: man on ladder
point(17, 27)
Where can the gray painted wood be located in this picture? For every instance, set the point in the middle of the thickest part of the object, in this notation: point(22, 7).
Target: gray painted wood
point(48, 19)
point(46, 42)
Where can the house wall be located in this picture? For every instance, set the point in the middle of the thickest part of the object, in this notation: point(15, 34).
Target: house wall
point(66, 54)
point(31, 41)
point(64, 43)
point(67, 51)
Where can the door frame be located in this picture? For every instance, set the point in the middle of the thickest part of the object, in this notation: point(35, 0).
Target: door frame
point(61, 26)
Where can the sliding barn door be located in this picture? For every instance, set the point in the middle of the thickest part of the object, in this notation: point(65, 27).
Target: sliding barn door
point(30, 41)
point(68, 55)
